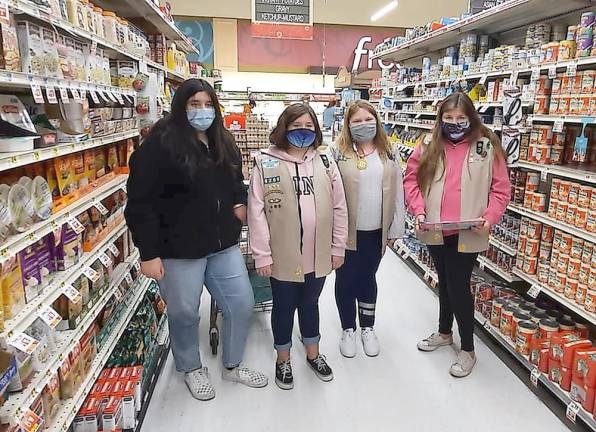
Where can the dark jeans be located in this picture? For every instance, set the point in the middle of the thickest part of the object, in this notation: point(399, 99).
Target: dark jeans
point(289, 296)
point(455, 298)
point(356, 282)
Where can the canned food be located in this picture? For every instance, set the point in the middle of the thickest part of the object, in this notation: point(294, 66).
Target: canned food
point(532, 248)
point(571, 288)
point(587, 252)
point(553, 278)
point(587, 84)
point(580, 295)
point(564, 188)
point(575, 105)
point(525, 334)
point(585, 103)
point(517, 318)
point(564, 104)
point(584, 273)
point(553, 107)
point(559, 140)
point(528, 199)
point(544, 84)
point(542, 154)
point(561, 282)
point(506, 320)
point(573, 268)
point(563, 263)
point(541, 104)
point(576, 82)
point(562, 211)
point(522, 243)
point(571, 210)
point(581, 217)
point(591, 221)
point(532, 181)
point(548, 233)
point(557, 154)
point(544, 134)
point(557, 240)
point(534, 230)
point(545, 251)
point(539, 202)
point(518, 195)
point(530, 265)
point(543, 272)
point(592, 277)
point(556, 88)
point(554, 257)
point(554, 188)
point(495, 316)
point(548, 327)
point(577, 248)
point(553, 206)
point(592, 205)
point(590, 303)
point(573, 193)
point(566, 243)
point(584, 195)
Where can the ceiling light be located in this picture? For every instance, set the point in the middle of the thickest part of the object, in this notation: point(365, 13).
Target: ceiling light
point(384, 11)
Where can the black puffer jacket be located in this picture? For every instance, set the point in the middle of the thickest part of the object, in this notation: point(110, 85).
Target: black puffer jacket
point(172, 217)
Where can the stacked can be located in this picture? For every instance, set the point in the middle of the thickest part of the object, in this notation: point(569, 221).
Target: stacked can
point(573, 95)
point(573, 204)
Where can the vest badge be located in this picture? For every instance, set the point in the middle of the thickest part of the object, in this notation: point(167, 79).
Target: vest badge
point(481, 149)
point(270, 163)
point(325, 160)
point(272, 180)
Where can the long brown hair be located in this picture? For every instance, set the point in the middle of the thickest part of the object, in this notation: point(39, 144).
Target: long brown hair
point(345, 142)
point(435, 152)
point(290, 114)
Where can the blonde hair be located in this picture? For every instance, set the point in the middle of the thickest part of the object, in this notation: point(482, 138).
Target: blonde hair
point(345, 142)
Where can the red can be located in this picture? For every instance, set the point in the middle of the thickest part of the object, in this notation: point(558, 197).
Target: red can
point(553, 206)
point(557, 155)
point(566, 243)
point(532, 181)
point(577, 248)
point(573, 268)
point(564, 188)
point(562, 211)
point(561, 282)
point(548, 234)
point(587, 252)
point(571, 210)
point(554, 188)
point(584, 196)
point(581, 217)
point(530, 265)
point(563, 263)
point(573, 193)
point(584, 273)
point(532, 248)
point(580, 295)
point(534, 230)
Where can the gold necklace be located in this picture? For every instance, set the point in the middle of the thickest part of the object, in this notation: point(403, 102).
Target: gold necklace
point(362, 164)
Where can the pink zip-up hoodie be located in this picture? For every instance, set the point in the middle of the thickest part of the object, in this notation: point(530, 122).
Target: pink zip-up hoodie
point(455, 158)
point(302, 170)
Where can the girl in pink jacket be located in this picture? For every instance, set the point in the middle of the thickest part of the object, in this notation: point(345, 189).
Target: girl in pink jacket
point(298, 228)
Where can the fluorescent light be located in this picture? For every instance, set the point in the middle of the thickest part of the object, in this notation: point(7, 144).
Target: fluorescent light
point(384, 10)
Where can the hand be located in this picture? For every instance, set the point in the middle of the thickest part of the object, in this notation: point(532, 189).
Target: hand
point(266, 271)
point(482, 229)
point(419, 220)
point(153, 269)
point(337, 262)
point(240, 213)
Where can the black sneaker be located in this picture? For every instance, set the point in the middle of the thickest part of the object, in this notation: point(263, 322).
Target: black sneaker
point(283, 375)
point(320, 367)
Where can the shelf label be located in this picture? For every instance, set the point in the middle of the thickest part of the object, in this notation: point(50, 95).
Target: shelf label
point(30, 422)
point(37, 93)
point(483, 79)
point(118, 294)
point(572, 69)
point(75, 225)
point(83, 95)
point(75, 94)
point(23, 342)
point(72, 293)
point(105, 260)
point(482, 265)
point(572, 410)
point(552, 72)
point(64, 95)
point(487, 325)
point(51, 94)
point(91, 274)
point(535, 376)
point(535, 74)
point(112, 247)
point(128, 278)
point(543, 176)
point(514, 76)
point(137, 265)
point(49, 316)
point(101, 208)
point(534, 291)
point(94, 96)
point(558, 126)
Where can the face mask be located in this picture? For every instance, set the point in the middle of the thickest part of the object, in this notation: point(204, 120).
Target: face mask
point(455, 132)
point(301, 138)
point(363, 132)
point(201, 119)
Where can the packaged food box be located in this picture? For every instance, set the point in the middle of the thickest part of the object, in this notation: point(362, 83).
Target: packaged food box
point(10, 57)
point(51, 59)
point(31, 48)
point(51, 398)
point(28, 261)
point(13, 292)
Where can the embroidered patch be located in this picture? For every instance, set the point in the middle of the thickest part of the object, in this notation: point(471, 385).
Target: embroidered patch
point(271, 180)
point(480, 150)
point(274, 200)
point(325, 160)
point(270, 163)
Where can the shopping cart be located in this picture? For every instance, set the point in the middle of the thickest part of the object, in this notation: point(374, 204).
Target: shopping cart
point(261, 288)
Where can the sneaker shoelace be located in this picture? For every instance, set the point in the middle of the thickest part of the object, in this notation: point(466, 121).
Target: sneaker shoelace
point(286, 369)
point(320, 362)
point(368, 333)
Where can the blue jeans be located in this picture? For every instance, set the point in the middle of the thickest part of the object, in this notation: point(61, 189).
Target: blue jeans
point(225, 276)
point(289, 296)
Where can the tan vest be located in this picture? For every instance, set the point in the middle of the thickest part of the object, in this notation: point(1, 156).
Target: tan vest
point(350, 175)
point(476, 179)
point(281, 210)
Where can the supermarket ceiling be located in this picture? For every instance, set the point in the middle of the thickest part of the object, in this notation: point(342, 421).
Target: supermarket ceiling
point(409, 13)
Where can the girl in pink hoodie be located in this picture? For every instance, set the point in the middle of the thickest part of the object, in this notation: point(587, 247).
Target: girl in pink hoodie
point(460, 174)
point(298, 228)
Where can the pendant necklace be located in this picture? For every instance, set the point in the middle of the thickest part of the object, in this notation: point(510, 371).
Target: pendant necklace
point(362, 164)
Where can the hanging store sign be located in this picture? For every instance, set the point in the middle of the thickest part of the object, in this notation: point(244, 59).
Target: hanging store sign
point(296, 12)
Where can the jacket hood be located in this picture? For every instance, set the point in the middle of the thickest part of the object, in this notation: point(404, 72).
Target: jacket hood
point(283, 155)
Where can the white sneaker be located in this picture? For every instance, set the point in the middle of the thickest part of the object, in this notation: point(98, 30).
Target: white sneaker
point(199, 385)
point(347, 347)
point(434, 341)
point(370, 342)
point(464, 365)
point(246, 376)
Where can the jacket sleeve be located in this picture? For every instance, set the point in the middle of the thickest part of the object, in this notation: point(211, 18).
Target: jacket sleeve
point(500, 192)
point(340, 213)
point(258, 227)
point(240, 189)
point(143, 189)
point(398, 226)
point(413, 194)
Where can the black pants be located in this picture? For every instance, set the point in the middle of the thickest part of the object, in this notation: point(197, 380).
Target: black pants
point(355, 281)
point(455, 298)
point(289, 297)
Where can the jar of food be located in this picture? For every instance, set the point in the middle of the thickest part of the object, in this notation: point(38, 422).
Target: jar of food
point(125, 33)
point(590, 304)
point(571, 288)
point(99, 26)
point(495, 316)
point(566, 325)
point(548, 327)
point(580, 295)
point(507, 320)
point(525, 333)
point(109, 20)
point(517, 318)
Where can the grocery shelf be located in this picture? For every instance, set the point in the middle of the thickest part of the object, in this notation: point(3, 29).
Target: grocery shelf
point(18, 242)
point(508, 16)
point(544, 218)
point(53, 291)
point(564, 119)
point(502, 246)
point(14, 409)
point(69, 409)
point(569, 304)
point(170, 74)
point(485, 262)
point(404, 252)
point(410, 124)
point(17, 159)
point(569, 172)
point(418, 113)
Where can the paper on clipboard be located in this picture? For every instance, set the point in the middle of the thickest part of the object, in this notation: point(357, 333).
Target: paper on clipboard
point(451, 225)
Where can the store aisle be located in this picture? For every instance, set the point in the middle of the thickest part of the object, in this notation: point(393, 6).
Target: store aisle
point(402, 389)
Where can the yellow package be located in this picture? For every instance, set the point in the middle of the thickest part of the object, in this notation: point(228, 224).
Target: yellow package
point(65, 174)
point(100, 162)
point(112, 158)
point(13, 292)
point(50, 176)
point(90, 168)
point(79, 170)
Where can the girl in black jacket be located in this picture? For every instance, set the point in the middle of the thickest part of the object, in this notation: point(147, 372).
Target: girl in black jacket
point(186, 206)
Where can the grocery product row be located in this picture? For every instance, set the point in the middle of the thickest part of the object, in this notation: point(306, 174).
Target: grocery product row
point(251, 134)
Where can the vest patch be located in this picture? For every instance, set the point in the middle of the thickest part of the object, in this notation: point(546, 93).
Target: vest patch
point(325, 160)
point(270, 163)
point(272, 180)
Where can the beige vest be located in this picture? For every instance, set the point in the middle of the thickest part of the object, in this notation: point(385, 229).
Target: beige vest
point(350, 175)
point(281, 209)
point(476, 179)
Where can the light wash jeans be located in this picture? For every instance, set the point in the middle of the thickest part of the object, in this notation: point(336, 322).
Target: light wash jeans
point(225, 276)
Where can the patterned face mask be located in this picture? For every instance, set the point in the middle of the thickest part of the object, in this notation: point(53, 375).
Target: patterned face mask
point(455, 132)
point(301, 138)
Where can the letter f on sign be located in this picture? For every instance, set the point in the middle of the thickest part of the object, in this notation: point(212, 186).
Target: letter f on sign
point(360, 51)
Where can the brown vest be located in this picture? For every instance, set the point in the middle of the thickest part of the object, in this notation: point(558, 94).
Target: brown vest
point(350, 175)
point(476, 179)
point(281, 210)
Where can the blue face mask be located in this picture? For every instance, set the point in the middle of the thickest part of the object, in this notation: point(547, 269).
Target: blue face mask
point(201, 119)
point(301, 138)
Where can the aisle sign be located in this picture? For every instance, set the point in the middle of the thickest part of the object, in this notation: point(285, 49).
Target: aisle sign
point(298, 12)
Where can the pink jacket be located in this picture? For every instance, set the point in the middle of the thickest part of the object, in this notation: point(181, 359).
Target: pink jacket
point(455, 158)
point(302, 172)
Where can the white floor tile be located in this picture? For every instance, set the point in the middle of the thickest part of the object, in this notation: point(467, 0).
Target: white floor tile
point(401, 390)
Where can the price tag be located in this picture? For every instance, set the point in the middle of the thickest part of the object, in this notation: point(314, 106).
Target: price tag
point(105, 260)
point(72, 293)
point(83, 94)
point(128, 278)
point(94, 96)
point(483, 79)
point(112, 247)
point(543, 176)
point(118, 294)
point(137, 266)
point(91, 274)
point(23, 342)
point(572, 69)
point(75, 225)
point(101, 208)
point(93, 48)
point(75, 94)
point(482, 266)
point(535, 74)
point(535, 376)
point(51, 95)
point(49, 316)
point(572, 410)
point(37, 93)
point(514, 76)
point(30, 422)
point(558, 126)
point(552, 71)
point(64, 95)
point(534, 291)
point(487, 325)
